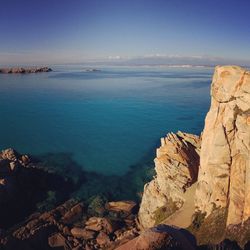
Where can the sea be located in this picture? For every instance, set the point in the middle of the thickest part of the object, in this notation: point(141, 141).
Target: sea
point(106, 122)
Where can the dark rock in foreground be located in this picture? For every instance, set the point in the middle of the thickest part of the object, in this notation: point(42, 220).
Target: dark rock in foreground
point(74, 224)
point(69, 226)
point(24, 187)
point(20, 70)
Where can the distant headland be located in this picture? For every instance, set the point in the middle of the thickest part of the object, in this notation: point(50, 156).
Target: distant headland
point(21, 70)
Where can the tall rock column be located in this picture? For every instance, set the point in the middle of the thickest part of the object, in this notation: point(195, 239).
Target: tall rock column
point(224, 174)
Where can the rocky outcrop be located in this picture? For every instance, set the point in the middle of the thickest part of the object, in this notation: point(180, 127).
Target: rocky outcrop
point(173, 238)
point(161, 237)
point(176, 166)
point(222, 197)
point(69, 226)
point(122, 206)
point(20, 70)
point(27, 191)
point(24, 187)
point(224, 176)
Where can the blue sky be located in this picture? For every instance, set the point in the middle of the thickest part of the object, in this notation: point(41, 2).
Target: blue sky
point(61, 31)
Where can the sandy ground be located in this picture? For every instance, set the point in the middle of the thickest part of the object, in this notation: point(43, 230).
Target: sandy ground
point(183, 217)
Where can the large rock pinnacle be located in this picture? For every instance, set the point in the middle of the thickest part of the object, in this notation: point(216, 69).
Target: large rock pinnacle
point(224, 174)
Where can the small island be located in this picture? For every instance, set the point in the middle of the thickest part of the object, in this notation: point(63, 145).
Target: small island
point(91, 70)
point(21, 70)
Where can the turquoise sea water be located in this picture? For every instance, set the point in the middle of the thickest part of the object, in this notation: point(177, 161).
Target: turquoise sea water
point(108, 120)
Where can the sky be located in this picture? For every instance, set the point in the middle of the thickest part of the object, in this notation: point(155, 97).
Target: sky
point(68, 31)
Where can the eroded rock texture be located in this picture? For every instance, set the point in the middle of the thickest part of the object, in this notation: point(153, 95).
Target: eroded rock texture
point(176, 166)
point(224, 175)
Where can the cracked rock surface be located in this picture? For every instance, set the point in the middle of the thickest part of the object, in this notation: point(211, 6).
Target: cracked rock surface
point(224, 174)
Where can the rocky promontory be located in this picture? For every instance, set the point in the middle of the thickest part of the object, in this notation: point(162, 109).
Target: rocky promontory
point(21, 70)
point(207, 179)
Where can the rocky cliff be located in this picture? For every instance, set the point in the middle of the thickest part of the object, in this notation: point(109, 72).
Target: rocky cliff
point(224, 176)
point(222, 197)
point(223, 189)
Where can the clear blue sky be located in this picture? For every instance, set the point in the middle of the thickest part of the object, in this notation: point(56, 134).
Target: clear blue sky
point(79, 30)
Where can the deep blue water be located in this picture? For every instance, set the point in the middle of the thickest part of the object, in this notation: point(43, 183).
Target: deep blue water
point(108, 120)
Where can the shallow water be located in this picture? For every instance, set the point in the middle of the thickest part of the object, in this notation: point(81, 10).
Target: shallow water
point(107, 121)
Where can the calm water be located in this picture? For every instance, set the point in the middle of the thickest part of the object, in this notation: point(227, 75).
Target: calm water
point(108, 120)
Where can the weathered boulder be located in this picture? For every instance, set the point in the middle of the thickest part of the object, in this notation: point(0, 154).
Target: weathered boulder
point(224, 176)
point(82, 233)
point(161, 237)
point(121, 206)
point(101, 224)
point(176, 166)
point(56, 240)
point(74, 214)
point(103, 239)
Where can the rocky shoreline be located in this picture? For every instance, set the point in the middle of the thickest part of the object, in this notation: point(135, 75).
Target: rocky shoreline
point(198, 199)
point(21, 70)
point(72, 224)
point(217, 163)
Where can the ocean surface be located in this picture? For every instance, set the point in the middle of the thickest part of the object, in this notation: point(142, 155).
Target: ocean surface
point(107, 121)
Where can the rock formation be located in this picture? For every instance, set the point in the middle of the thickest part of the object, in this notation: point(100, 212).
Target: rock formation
point(223, 189)
point(20, 70)
point(24, 186)
point(176, 166)
point(69, 226)
point(27, 223)
point(222, 197)
point(224, 176)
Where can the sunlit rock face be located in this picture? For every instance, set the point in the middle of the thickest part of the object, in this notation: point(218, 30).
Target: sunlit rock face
point(223, 162)
point(224, 174)
point(176, 168)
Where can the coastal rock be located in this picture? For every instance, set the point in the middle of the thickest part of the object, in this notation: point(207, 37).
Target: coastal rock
point(161, 237)
point(176, 166)
point(82, 233)
point(102, 239)
point(9, 154)
point(74, 214)
point(23, 185)
point(101, 224)
point(48, 229)
point(10, 160)
point(56, 240)
point(224, 176)
point(20, 70)
point(121, 206)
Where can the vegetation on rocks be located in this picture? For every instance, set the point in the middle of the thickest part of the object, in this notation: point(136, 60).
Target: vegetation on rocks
point(164, 212)
point(211, 229)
